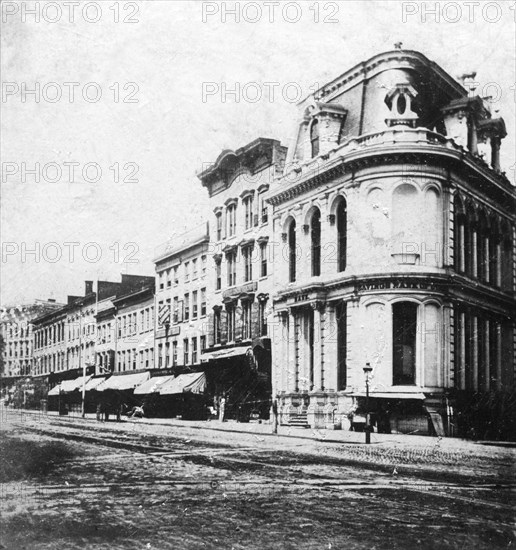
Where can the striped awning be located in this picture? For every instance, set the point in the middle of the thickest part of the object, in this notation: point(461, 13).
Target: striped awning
point(119, 382)
point(152, 385)
point(225, 353)
point(68, 386)
point(193, 383)
point(93, 383)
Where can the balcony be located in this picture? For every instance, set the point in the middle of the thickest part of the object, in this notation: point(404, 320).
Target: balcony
point(415, 139)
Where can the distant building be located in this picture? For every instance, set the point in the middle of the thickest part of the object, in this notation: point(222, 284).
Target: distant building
point(398, 250)
point(182, 300)
point(16, 332)
point(134, 319)
point(65, 339)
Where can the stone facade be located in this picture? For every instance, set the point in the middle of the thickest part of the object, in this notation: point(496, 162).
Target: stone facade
point(391, 215)
point(240, 286)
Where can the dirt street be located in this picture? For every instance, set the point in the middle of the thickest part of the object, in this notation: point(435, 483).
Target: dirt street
point(84, 485)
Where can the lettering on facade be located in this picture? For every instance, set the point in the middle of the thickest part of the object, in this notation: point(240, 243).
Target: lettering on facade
point(396, 284)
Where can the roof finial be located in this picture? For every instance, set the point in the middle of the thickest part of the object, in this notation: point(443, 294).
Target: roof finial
point(397, 45)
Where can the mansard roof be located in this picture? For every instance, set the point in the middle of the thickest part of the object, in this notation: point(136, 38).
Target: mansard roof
point(388, 60)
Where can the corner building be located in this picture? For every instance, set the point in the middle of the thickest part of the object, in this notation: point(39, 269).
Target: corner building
point(397, 249)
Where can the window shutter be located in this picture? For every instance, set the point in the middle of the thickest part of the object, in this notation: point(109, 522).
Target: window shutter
point(210, 330)
point(223, 327)
point(255, 320)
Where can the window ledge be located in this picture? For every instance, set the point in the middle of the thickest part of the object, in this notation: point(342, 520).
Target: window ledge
point(404, 258)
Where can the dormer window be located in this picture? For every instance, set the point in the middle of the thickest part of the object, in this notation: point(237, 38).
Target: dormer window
point(400, 101)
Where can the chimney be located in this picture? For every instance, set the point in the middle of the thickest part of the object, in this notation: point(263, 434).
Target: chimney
point(88, 287)
point(52, 300)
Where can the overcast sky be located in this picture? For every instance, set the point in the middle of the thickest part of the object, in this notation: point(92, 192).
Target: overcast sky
point(168, 130)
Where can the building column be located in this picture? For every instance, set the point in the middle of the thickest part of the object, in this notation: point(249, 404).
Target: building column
point(292, 366)
point(487, 367)
point(474, 256)
point(330, 350)
point(318, 348)
point(474, 347)
point(499, 380)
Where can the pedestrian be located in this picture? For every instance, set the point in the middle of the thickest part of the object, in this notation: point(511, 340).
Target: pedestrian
point(275, 416)
point(222, 407)
point(99, 412)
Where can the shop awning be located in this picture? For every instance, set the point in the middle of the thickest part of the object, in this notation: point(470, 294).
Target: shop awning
point(194, 383)
point(120, 382)
point(93, 383)
point(152, 385)
point(225, 353)
point(55, 390)
point(390, 395)
point(68, 386)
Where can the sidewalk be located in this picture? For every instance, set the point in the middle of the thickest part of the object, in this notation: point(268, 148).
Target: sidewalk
point(328, 436)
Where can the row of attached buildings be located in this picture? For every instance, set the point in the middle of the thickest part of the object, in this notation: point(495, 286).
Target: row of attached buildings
point(383, 235)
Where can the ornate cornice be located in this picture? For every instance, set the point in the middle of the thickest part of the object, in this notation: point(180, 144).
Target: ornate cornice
point(384, 154)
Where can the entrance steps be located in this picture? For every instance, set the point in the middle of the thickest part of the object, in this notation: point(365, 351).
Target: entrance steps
point(298, 420)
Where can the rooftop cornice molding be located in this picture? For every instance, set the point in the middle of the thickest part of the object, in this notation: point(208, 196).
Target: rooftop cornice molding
point(243, 157)
point(382, 148)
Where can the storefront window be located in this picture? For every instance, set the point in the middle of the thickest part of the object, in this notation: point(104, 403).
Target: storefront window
point(404, 327)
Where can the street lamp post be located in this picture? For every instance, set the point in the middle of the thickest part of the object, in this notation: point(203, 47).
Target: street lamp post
point(367, 372)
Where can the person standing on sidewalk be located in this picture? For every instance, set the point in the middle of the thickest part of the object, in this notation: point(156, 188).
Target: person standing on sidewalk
point(222, 407)
point(274, 416)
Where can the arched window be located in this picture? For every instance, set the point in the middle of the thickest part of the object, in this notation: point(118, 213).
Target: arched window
point(459, 236)
point(506, 253)
point(494, 244)
point(314, 137)
point(468, 242)
point(405, 227)
point(292, 251)
point(404, 330)
point(482, 253)
point(341, 220)
point(315, 236)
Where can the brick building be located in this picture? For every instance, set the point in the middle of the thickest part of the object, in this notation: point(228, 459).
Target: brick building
point(182, 300)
